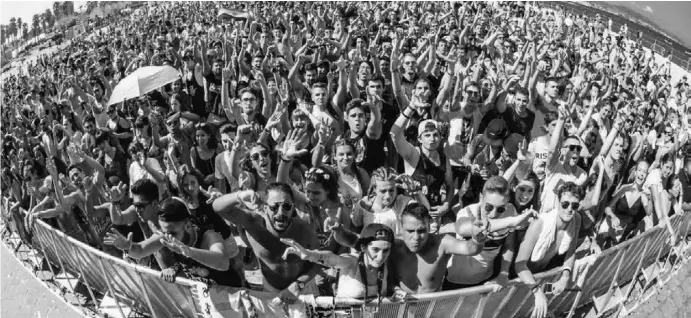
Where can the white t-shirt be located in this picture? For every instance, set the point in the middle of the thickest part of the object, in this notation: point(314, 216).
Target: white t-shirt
point(137, 172)
point(222, 164)
point(555, 179)
point(469, 270)
point(540, 147)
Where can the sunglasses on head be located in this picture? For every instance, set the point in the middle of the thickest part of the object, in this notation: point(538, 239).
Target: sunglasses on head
point(500, 209)
point(263, 154)
point(285, 206)
point(574, 147)
point(574, 205)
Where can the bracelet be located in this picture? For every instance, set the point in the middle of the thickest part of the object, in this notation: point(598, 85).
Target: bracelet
point(283, 158)
point(534, 287)
point(404, 116)
point(185, 251)
point(237, 198)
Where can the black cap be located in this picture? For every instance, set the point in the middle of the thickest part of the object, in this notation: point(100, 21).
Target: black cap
point(375, 232)
point(173, 210)
point(496, 129)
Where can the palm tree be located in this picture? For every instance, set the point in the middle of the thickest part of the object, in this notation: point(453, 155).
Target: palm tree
point(68, 7)
point(35, 25)
point(3, 34)
point(25, 31)
point(57, 10)
point(12, 29)
point(49, 18)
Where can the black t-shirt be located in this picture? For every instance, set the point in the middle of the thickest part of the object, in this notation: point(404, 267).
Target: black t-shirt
point(685, 187)
point(515, 123)
point(369, 153)
point(214, 96)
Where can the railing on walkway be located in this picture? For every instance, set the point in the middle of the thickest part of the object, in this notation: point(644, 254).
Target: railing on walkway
point(142, 289)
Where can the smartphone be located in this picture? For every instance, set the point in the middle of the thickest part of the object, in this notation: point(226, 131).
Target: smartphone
point(548, 288)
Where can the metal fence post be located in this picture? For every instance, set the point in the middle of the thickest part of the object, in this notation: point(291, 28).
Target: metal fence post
point(110, 287)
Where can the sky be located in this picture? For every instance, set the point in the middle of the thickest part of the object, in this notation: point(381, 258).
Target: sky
point(671, 16)
point(27, 9)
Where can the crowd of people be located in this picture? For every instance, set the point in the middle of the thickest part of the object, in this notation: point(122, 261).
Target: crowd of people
point(363, 150)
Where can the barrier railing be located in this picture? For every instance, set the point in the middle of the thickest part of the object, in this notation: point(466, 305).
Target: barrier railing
point(131, 285)
point(143, 290)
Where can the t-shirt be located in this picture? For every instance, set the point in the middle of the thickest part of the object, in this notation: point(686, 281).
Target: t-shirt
point(555, 179)
point(222, 164)
point(215, 86)
point(515, 123)
point(540, 147)
point(470, 270)
point(137, 172)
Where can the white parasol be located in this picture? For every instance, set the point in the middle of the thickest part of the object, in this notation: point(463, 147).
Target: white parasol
point(142, 81)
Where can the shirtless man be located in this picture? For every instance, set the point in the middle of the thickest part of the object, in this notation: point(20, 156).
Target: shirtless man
point(265, 224)
point(421, 257)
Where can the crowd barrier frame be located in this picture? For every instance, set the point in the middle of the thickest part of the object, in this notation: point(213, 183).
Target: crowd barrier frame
point(142, 289)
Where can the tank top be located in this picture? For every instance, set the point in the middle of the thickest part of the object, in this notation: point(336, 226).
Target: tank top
point(125, 143)
point(196, 93)
point(352, 286)
point(631, 215)
point(205, 166)
point(351, 191)
point(200, 272)
point(431, 177)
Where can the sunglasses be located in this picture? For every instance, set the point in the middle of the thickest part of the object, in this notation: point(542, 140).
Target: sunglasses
point(285, 206)
point(574, 147)
point(574, 205)
point(500, 209)
point(264, 154)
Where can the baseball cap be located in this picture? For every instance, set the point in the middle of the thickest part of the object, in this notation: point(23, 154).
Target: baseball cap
point(375, 232)
point(496, 129)
point(173, 210)
point(427, 125)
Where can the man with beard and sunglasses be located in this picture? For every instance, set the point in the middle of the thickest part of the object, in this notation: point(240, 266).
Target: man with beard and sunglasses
point(265, 224)
point(502, 219)
point(558, 171)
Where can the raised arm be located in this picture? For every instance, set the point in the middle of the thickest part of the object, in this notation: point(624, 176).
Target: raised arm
point(404, 148)
point(326, 258)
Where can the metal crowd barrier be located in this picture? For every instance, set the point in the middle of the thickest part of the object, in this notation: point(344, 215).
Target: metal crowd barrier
point(131, 285)
point(595, 276)
point(143, 290)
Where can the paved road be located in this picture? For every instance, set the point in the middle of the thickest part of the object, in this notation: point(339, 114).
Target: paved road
point(672, 301)
point(22, 296)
